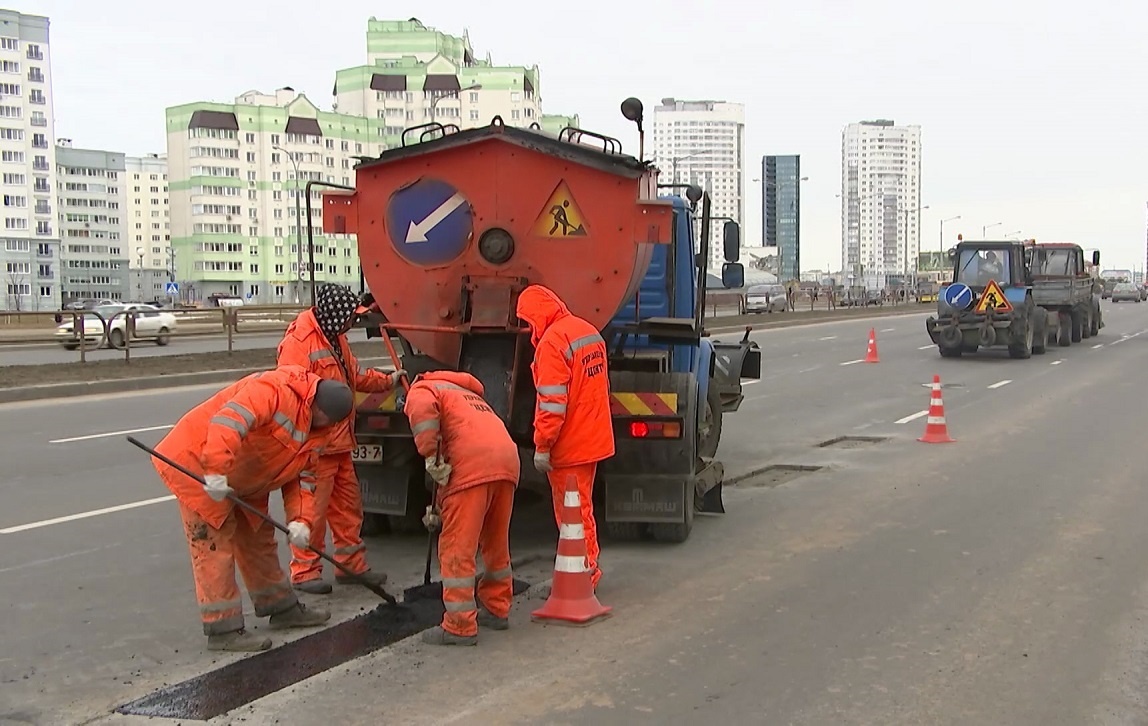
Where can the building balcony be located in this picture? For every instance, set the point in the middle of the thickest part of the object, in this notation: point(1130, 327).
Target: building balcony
point(34, 55)
point(38, 100)
point(41, 167)
point(39, 121)
point(45, 276)
point(43, 210)
point(39, 144)
point(35, 77)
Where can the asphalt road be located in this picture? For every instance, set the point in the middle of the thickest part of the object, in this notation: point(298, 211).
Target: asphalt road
point(999, 579)
point(38, 353)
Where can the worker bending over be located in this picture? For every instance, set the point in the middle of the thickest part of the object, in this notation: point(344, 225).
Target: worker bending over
point(476, 477)
point(257, 435)
point(317, 340)
point(573, 430)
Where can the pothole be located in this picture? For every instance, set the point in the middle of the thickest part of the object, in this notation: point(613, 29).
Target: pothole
point(852, 442)
point(776, 475)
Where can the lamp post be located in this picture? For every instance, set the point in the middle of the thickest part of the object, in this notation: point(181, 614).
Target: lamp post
point(1017, 233)
point(298, 227)
point(139, 272)
point(941, 242)
point(907, 211)
point(451, 94)
point(987, 227)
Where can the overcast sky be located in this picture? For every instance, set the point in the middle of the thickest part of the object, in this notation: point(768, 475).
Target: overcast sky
point(1034, 112)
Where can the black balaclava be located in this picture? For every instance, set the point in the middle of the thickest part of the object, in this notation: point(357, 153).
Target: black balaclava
point(335, 305)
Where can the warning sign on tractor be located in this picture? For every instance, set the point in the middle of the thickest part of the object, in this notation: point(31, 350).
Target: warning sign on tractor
point(993, 300)
point(561, 216)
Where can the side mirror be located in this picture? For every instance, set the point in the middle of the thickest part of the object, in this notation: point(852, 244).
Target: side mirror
point(731, 241)
point(952, 253)
point(1096, 257)
point(732, 275)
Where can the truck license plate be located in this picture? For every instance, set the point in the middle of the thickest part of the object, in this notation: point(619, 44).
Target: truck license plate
point(367, 453)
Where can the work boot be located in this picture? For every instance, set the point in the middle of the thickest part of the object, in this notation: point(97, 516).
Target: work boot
point(486, 619)
point(438, 636)
point(238, 641)
point(377, 579)
point(314, 587)
point(299, 617)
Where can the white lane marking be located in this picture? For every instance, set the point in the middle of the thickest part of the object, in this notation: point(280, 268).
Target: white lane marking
point(851, 362)
point(924, 347)
point(84, 515)
point(912, 417)
point(886, 330)
point(809, 370)
point(1098, 345)
point(750, 382)
point(110, 433)
point(57, 558)
point(1000, 384)
point(1056, 362)
point(829, 337)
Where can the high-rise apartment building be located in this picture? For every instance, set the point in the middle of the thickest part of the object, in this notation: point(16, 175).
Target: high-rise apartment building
point(417, 75)
point(149, 226)
point(30, 247)
point(781, 212)
point(91, 220)
point(880, 200)
point(236, 179)
point(703, 143)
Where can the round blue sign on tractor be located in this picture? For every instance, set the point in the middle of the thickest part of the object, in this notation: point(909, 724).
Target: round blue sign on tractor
point(958, 296)
point(429, 222)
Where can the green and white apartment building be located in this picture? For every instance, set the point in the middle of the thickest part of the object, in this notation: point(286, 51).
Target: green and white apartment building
point(234, 168)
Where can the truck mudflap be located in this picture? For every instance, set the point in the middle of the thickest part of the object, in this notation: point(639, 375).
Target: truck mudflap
point(384, 457)
point(655, 476)
point(731, 363)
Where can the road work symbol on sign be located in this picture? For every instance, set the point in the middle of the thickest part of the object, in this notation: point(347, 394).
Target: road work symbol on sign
point(429, 222)
point(561, 216)
point(993, 299)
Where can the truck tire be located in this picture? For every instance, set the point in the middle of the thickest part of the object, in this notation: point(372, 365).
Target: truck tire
point(1077, 327)
point(950, 352)
point(1064, 336)
point(709, 428)
point(679, 532)
point(1086, 325)
point(1023, 349)
point(1040, 333)
point(1095, 321)
point(624, 531)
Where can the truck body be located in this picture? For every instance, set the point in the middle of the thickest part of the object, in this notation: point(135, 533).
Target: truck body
point(1063, 287)
point(959, 327)
point(452, 228)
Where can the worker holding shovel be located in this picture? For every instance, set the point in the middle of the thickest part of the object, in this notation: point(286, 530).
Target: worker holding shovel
point(474, 463)
point(258, 435)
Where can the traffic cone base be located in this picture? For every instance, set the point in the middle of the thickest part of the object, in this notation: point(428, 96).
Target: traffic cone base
point(871, 353)
point(572, 600)
point(936, 429)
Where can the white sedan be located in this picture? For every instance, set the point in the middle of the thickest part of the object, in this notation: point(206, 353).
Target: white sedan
point(151, 323)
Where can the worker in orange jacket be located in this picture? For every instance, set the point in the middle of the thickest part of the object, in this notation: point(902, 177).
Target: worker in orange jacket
point(476, 472)
point(317, 340)
point(573, 430)
point(256, 436)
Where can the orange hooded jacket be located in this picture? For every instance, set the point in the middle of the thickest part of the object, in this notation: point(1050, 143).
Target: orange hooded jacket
point(572, 419)
point(475, 441)
point(305, 345)
point(256, 433)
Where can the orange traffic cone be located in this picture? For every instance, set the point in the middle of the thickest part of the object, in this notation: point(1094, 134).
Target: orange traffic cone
point(936, 430)
point(871, 354)
point(572, 600)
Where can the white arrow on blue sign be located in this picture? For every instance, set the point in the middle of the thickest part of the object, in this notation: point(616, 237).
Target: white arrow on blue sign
point(958, 296)
point(171, 288)
point(429, 222)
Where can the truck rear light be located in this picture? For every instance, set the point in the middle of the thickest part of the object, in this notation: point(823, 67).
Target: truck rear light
point(645, 429)
point(378, 422)
point(639, 429)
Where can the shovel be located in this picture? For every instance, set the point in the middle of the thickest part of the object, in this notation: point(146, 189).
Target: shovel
point(266, 518)
point(427, 590)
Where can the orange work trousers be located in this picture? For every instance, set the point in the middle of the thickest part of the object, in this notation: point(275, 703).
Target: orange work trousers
point(584, 475)
point(475, 519)
point(337, 503)
point(215, 553)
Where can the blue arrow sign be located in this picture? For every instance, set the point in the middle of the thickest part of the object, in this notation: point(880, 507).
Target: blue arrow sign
point(171, 288)
point(958, 296)
point(429, 222)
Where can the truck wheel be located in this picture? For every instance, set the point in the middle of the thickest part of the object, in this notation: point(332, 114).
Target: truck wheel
point(1023, 349)
point(709, 429)
point(1064, 337)
point(624, 531)
point(1086, 325)
point(1040, 335)
point(373, 524)
point(1077, 327)
point(676, 533)
point(1095, 322)
point(950, 352)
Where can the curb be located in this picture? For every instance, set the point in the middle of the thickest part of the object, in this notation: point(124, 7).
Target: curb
point(121, 385)
point(795, 320)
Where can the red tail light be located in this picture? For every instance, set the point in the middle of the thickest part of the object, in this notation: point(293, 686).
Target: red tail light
point(639, 429)
point(644, 429)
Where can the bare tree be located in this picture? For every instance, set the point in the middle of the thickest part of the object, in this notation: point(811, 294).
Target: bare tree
point(15, 297)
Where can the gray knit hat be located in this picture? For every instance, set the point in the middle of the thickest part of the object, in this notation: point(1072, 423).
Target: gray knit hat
point(334, 398)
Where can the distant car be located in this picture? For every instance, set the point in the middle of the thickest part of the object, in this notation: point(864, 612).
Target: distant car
point(1143, 290)
point(1126, 291)
point(765, 299)
point(151, 324)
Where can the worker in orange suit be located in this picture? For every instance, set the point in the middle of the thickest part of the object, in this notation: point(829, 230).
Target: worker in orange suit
point(256, 436)
point(472, 459)
point(573, 430)
point(317, 340)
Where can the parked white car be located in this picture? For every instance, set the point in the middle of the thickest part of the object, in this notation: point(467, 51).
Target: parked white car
point(152, 324)
point(765, 299)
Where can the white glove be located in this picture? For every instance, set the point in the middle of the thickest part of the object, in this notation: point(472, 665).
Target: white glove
point(440, 472)
point(542, 462)
point(216, 487)
point(298, 534)
point(396, 377)
point(432, 521)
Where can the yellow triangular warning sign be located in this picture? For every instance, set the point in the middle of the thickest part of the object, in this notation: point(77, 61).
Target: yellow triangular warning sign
point(993, 298)
point(560, 216)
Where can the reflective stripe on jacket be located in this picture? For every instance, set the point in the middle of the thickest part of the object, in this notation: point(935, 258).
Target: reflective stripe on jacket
point(572, 417)
point(256, 432)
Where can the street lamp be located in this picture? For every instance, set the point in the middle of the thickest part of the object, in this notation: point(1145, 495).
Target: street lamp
point(298, 227)
point(451, 94)
point(987, 227)
point(941, 244)
point(674, 161)
point(907, 211)
point(139, 271)
point(1017, 233)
